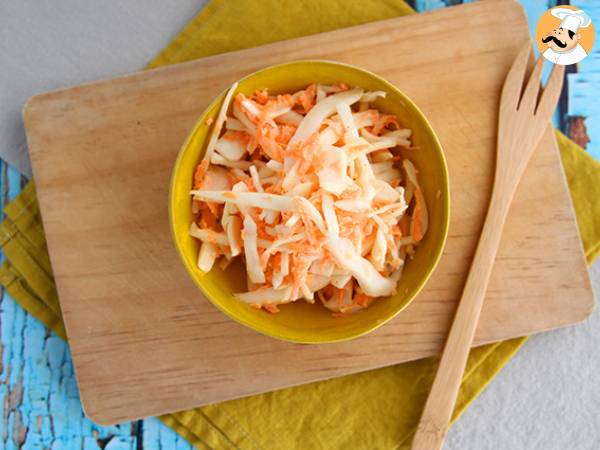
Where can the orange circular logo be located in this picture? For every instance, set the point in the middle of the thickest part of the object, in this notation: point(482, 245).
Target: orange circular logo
point(565, 35)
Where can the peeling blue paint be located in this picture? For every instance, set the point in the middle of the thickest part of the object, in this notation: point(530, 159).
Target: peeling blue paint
point(585, 85)
point(38, 388)
point(429, 5)
point(157, 436)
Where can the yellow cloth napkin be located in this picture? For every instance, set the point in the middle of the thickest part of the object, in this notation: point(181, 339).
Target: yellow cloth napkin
point(377, 409)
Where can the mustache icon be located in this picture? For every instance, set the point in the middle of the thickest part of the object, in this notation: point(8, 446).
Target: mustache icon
point(555, 40)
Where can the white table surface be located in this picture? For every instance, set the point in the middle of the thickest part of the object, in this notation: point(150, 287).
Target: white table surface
point(46, 45)
point(547, 397)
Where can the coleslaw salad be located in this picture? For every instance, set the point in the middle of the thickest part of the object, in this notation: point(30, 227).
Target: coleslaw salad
point(308, 189)
point(300, 321)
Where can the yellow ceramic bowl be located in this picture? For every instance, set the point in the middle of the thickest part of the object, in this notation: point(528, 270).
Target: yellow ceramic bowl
point(302, 322)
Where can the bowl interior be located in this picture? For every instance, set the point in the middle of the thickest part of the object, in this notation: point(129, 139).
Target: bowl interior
point(302, 322)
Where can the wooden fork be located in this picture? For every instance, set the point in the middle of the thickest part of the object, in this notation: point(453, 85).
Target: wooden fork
point(523, 118)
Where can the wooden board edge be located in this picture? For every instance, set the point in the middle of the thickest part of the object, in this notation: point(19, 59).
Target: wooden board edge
point(39, 98)
point(35, 106)
point(591, 298)
point(102, 418)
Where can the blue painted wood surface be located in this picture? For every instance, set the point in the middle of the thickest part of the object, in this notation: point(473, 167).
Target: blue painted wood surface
point(584, 86)
point(38, 390)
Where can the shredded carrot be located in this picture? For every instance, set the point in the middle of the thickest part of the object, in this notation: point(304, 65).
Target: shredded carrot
point(384, 121)
point(249, 184)
point(240, 136)
point(362, 299)
point(208, 219)
point(417, 232)
point(200, 173)
point(234, 178)
point(215, 208)
point(261, 97)
point(306, 98)
point(285, 134)
point(269, 147)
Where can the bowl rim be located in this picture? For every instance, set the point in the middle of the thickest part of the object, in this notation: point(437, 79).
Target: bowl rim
point(445, 196)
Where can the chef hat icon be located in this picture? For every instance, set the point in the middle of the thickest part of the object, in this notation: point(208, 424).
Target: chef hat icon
point(572, 20)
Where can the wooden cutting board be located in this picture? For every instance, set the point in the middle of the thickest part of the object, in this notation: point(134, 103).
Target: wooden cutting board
point(146, 342)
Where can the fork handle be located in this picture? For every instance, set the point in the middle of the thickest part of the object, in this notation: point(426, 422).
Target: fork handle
point(436, 416)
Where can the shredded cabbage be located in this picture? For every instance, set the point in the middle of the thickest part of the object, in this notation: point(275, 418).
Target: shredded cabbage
point(218, 126)
point(311, 191)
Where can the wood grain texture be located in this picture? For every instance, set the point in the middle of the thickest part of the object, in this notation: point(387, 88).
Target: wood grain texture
point(38, 389)
point(144, 340)
point(524, 115)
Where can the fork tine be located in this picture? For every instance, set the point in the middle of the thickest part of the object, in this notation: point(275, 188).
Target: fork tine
point(530, 95)
point(551, 93)
point(511, 92)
